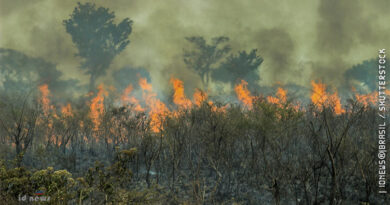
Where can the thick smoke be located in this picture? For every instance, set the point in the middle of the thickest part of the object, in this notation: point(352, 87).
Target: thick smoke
point(21, 75)
point(128, 75)
point(346, 31)
point(299, 40)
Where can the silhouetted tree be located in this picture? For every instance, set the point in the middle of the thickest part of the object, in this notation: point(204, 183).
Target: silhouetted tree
point(97, 38)
point(129, 74)
point(240, 66)
point(205, 56)
point(19, 73)
point(18, 121)
point(362, 74)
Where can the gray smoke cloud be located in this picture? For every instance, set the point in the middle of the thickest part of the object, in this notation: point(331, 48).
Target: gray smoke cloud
point(299, 40)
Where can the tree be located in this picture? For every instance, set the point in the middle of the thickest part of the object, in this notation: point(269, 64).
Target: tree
point(97, 38)
point(18, 121)
point(360, 76)
point(205, 56)
point(19, 73)
point(240, 66)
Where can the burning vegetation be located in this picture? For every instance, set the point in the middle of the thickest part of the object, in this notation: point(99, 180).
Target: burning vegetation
point(156, 110)
point(198, 136)
point(135, 143)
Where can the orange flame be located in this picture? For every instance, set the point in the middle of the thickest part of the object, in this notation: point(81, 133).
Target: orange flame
point(126, 99)
point(48, 109)
point(157, 109)
point(244, 94)
point(280, 99)
point(370, 98)
point(145, 85)
point(199, 97)
point(318, 96)
point(45, 101)
point(67, 111)
point(338, 109)
point(97, 108)
point(215, 108)
point(321, 98)
point(179, 97)
point(125, 95)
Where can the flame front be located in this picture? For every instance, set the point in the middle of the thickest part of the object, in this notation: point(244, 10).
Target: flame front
point(49, 112)
point(157, 109)
point(199, 97)
point(179, 97)
point(321, 98)
point(318, 96)
point(67, 111)
point(280, 99)
point(127, 99)
point(244, 94)
point(45, 101)
point(97, 108)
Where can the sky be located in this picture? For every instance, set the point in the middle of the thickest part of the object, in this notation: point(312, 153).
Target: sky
point(299, 40)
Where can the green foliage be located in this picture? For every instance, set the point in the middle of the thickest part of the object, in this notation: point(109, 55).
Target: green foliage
point(112, 183)
point(14, 181)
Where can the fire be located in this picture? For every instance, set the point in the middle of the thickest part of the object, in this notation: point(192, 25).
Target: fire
point(321, 98)
point(179, 97)
point(319, 95)
point(215, 108)
point(280, 99)
point(49, 112)
point(45, 101)
point(367, 98)
point(282, 95)
point(125, 95)
point(145, 85)
point(67, 111)
point(338, 109)
point(137, 106)
point(157, 109)
point(199, 97)
point(97, 108)
point(370, 98)
point(244, 94)
point(127, 99)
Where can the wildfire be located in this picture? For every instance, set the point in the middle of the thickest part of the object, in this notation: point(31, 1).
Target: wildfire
point(244, 94)
point(67, 111)
point(45, 101)
point(127, 99)
point(125, 95)
point(49, 112)
point(280, 99)
point(157, 109)
point(97, 108)
point(199, 97)
point(145, 85)
point(370, 98)
point(319, 95)
point(179, 97)
point(321, 98)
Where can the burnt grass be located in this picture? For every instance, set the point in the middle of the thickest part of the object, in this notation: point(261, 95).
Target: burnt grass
point(270, 154)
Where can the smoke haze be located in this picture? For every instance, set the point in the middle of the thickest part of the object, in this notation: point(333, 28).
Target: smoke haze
point(298, 41)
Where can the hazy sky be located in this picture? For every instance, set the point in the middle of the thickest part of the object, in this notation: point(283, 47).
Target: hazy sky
point(299, 40)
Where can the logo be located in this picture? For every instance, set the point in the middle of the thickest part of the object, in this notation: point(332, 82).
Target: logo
point(38, 196)
point(39, 193)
